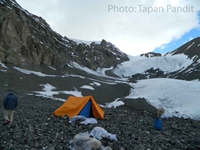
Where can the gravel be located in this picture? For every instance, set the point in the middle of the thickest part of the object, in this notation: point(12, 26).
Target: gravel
point(35, 128)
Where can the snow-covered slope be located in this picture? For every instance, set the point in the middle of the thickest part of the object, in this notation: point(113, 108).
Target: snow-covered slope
point(85, 42)
point(182, 63)
point(179, 98)
point(138, 64)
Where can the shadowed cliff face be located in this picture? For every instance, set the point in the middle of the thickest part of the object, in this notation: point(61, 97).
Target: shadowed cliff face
point(26, 39)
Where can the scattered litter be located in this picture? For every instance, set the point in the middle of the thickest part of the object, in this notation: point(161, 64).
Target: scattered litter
point(99, 133)
point(83, 120)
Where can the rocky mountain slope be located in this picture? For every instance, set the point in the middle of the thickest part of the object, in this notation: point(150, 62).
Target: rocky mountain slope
point(192, 51)
point(182, 63)
point(28, 42)
point(27, 39)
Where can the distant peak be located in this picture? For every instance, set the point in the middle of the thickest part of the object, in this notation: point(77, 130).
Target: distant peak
point(151, 54)
point(190, 48)
point(103, 43)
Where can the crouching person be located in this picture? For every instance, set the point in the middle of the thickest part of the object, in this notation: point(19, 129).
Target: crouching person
point(10, 104)
point(158, 120)
point(160, 111)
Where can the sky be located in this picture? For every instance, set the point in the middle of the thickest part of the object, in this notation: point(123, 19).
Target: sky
point(135, 27)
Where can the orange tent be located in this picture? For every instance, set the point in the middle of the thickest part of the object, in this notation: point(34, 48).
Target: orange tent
point(73, 105)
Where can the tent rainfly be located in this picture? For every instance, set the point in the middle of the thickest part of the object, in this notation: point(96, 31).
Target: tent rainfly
point(85, 106)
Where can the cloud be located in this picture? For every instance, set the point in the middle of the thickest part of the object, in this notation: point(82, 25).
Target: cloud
point(128, 24)
point(190, 38)
point(163, 46)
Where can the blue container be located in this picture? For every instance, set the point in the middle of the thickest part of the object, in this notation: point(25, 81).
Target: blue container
point(86, 110)
point(158, 123)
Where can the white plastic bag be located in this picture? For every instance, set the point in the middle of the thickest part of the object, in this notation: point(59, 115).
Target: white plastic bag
point(77, 118)
point(89, 121)
point(99, 133)
point(83, 120)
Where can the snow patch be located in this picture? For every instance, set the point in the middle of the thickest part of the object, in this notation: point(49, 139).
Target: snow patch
point(33, 72)
point(113, 104)
point(47, 92)
point(52, 68)
point(87, 87)
point(95, 84)
point(3, 65)
point(179, 98)
point(47, 87)
point(100, 71)
point(190, 46)
point(85, 42)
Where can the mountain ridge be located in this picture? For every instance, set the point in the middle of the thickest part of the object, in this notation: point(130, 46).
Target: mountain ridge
point(29, 48)
point(28, 39)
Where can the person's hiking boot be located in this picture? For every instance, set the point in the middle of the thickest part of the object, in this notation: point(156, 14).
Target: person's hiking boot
point(10, 125)
point(7, 122)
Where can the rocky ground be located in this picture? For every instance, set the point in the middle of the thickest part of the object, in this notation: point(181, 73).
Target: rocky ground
point(36, 128)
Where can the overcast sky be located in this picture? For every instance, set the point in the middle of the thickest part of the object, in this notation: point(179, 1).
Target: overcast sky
point(128, 24)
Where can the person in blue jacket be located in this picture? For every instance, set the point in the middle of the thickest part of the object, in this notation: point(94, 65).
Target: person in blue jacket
point(10, 103)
